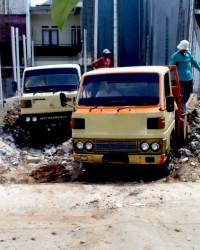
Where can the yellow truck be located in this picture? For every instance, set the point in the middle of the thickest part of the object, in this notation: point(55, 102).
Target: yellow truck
point(128, 115)
point(48, 95)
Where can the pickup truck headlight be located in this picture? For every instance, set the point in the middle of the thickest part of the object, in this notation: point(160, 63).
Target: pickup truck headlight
point(27, 119)
point(34, 118)
point(79, 145)
point(144, 146)
point(88, 146)
point(155, 146)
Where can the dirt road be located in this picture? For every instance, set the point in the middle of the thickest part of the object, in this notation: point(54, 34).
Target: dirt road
point(152, 216)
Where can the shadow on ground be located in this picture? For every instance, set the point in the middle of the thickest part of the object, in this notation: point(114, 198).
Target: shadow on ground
point(121, 173)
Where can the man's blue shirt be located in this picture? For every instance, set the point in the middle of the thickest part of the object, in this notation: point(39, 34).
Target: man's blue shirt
point(183, 64)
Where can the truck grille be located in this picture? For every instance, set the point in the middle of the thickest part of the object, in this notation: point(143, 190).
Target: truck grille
point(116, 145)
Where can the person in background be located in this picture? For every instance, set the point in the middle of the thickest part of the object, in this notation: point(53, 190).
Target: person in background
point(184, 60)
point(35, 82)
point(104, 61)
point(107, 89)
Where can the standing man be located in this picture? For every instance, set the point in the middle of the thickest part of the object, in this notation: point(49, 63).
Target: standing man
point(104, 61)
point(184, 60)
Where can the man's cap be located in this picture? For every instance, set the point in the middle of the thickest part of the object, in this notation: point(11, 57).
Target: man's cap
point(183, 45)
point(106, 51)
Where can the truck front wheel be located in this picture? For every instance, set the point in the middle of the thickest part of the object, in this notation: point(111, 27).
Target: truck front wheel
point(171, 155)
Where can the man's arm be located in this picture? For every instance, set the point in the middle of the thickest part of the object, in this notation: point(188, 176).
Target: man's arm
point(194, 63)
point(95, 63)
point(172, 61)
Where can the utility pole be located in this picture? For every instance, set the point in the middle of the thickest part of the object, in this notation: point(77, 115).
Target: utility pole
point(15, 56)
point(24, 50)
point(115, 34)
point(13, 53)
point(85, 49)
point(96, 28)
point(28, 34)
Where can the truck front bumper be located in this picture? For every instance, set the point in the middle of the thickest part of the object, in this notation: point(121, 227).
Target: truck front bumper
point(121, 159)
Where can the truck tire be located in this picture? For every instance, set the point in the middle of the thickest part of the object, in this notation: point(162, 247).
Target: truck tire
point(171, 156)
point(21, 136)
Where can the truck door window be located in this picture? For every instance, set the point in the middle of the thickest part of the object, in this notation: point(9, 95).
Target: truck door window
point(134, 89)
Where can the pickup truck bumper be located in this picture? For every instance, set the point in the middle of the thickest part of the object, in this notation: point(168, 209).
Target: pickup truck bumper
point(121, 159)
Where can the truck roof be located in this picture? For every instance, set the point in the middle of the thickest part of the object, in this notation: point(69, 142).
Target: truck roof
point(53, 66)
point(131, 69)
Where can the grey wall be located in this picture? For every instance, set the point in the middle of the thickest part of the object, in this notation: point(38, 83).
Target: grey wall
point(148, 30)
point(170, 25)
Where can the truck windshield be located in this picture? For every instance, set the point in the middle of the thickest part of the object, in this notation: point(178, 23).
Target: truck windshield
point(51, 80)
point(127, 89)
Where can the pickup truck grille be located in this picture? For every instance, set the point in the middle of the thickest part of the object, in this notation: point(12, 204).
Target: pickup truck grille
point(116, 146)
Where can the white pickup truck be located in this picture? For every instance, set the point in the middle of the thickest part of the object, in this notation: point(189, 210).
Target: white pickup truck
point(48, 94)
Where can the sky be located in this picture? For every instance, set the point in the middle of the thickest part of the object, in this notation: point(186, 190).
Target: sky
point(35, 2)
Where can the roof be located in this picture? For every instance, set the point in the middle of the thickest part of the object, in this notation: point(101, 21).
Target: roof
point(13, 7)
point(54, 66)
point(49, 2)
point(131, 69)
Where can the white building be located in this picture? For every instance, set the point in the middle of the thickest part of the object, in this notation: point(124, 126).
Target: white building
point(51, 45)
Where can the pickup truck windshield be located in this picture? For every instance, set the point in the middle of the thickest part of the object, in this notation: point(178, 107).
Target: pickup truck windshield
point(127, 89)
point(51, 80)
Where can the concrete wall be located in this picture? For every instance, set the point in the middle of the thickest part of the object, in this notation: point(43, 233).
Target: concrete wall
point(169, 26)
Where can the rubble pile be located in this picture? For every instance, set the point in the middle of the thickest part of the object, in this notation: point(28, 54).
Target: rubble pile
point(187, 167)
point(29, 165)
point(24, 164)
point(11, 111)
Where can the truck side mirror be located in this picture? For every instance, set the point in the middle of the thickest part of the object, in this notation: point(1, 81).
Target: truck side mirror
point(14, 86)
point(63, 100)
point(170, 103)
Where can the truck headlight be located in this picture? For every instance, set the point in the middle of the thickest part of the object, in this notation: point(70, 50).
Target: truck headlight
point(34, 118)
point(144, 146)
point(88, 146)
point(79, 145)
point(27, 119)
point(155, 146)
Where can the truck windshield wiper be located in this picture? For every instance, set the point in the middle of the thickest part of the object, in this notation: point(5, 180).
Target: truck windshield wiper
point(115, 103)
point(111, 103)
point(93, 108)
point(126, 107)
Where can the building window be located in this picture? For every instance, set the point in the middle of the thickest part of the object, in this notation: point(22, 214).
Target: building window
point(75, 35)
point(50, 37)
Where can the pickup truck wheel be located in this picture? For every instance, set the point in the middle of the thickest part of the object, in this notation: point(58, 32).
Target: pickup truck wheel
point(21, 136)
point(171, 156)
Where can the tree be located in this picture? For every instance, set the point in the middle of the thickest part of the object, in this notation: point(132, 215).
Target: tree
point(60, 10)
